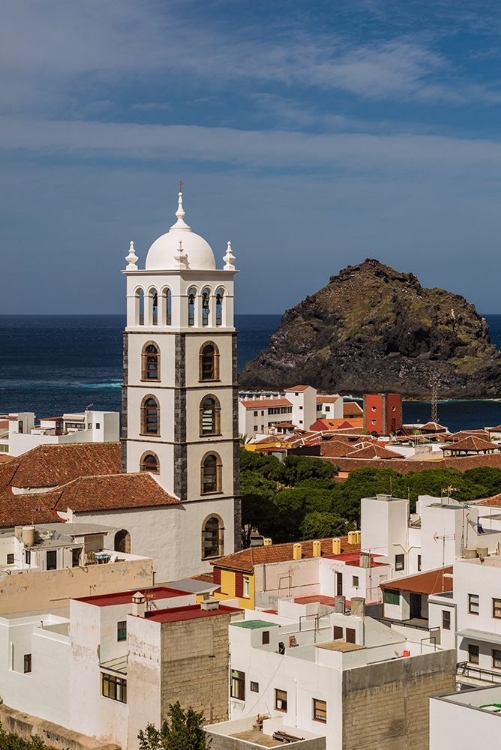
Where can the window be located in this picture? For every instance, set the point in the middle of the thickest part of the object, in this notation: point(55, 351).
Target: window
point(211, 474)
point(27, 556)
point(496, 658)
point(210, 413)
point(338, 633)
point(246, 587)
point(473, 604)
point(281, 700)
point(205, 307)
point(27, 663)
point(154, 306)
point(98, 425)
point(122, 630)
point(351, 635)
point(391, 597)
point(399, 562)
point(114, 687)
point(209, 362)
point(212, 537)
point(167, 307)
point(237, 685)
point(150, 416)
point(496, 608)
point(419, 562)
point(150, 362)
point(446, 619)
point(139, 311)
point(473, 654)
point(75, 557)
point(149, 462)
point(255, 414)
point(265, 638)
point(355, 582)
point(10, 558)
point(254, 686)
point(319, 710)
point(51, 559)
point(219, 306)
point(191, 306)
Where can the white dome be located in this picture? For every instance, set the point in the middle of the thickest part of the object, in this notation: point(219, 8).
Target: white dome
point(163, 255)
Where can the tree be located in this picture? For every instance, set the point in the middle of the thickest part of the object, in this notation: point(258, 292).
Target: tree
point(181, 730)
point(11, 741)
point(295, 469)
point(319, 525)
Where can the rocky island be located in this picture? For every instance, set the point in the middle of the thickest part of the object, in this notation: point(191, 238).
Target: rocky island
point(372, 328)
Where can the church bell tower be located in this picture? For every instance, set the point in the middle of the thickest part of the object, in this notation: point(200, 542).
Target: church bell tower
point(180, 398)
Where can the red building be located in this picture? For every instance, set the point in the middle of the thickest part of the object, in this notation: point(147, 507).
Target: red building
point(382, 412)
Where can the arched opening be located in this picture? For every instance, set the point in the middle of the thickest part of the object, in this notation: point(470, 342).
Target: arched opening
point(167, 307)
point(205, 306)
point(150, 416)
point(139, 308)
point(210, 411)
point(209, 362)
point(150, 362)
point(210, 473)
point(192, 293)
point(122, 541)
point(219, 306)
point(153, 304)
point(212, 537)
point(150, 462)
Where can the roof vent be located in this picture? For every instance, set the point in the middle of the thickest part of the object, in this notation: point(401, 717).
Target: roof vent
point(209, 604)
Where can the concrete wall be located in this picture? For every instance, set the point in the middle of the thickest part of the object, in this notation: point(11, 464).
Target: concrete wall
point(457, 723)
point(385, 706)
point(23, 592)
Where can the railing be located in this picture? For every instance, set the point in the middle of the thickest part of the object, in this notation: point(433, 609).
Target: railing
point(464, 669)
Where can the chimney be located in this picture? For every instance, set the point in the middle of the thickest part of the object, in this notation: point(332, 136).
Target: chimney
point(267, 542)
point(365, 560)
point(317, 548)
point(138, 604)
point(336, 546)
point(297, 551)
point(358, 606)
point(339, 604)
point(209, 604)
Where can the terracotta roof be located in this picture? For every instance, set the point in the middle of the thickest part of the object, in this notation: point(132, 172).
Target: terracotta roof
point(54, 465)
point(352, 409)
point(374, 451)
point(462, 434)
point(334, 448)
point(4, 459)
point(493, 429)
point(494, 500)
point(297, 388)
point(24, 510)
point(471, 443)
point(246, 559)
point(264, 403)
point(404, 466)
point(433, 427)
point(327, 399)
point(355, 424)
point(431, 582)
point(109, 492)
point(204, 577)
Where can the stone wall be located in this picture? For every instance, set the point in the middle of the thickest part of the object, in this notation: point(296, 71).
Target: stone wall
point(195, 664)
point(386, 706)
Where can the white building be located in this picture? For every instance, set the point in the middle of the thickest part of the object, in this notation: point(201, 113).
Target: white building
point(22, 433)
point(460, 721)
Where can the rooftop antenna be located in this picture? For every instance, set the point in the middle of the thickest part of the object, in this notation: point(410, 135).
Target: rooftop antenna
point(434, 382)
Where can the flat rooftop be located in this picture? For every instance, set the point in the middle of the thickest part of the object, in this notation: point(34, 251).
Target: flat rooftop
point(191, 612)
point(341, 646)
point(125, 597)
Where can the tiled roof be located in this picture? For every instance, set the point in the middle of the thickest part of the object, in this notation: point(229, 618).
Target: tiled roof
point(433, 427)
point(83, 495)
point(374, 451)
point(455, 437)
point(352, 409)
point(497, 428)
point(431, 582)
point(297, 388)
point(54, 465)
point(327, 399)
point(404, 466)
point(472, 443)
point(335, 448)
point(204, 577)
point(493, 501)
point(264, 403)
point(246, 559)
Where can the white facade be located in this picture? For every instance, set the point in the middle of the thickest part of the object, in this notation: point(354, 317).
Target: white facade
point(179, 397)
point(86, 427)
point(465, 720)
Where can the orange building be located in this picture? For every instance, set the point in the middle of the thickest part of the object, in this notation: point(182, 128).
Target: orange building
point(382, 412)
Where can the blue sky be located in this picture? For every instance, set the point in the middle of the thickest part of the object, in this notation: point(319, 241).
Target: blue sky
point(312, 134)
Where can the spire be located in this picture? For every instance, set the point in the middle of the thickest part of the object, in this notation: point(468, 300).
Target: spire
point(180, 213)
point(131, 258)
point(229, 259)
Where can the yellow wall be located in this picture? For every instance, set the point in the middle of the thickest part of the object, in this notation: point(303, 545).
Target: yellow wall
point(228, 589)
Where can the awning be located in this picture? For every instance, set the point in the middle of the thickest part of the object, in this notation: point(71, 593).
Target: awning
point(480, 635)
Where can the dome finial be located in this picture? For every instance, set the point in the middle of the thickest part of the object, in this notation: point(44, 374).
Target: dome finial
point(229, 259)
point(131, 258)
point(180, 213)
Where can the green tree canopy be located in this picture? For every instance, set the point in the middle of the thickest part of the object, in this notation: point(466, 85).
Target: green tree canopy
point(181, 730)
point(318, 525)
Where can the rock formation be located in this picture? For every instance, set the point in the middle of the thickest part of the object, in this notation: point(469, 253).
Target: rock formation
point(374, 329)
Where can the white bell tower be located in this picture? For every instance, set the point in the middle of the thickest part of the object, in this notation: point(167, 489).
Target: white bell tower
point(180, 400)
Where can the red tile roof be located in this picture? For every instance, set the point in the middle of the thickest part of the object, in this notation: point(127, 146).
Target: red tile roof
point(462, 434)
point(404, 466)
point(493, 501)
point(246, 559)
point(53, 465)
point(193, 612)
point(297, 388)
point(315, 598)
point(264, 403)
point(352, 409)
point(470, 444)
point(374, 451)
point(431, 582)
point(335, 448)
point(24, 510)
point(327, 399)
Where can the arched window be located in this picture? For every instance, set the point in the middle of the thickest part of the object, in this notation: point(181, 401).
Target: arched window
point(139, 313)
point(209, 362)
point(150, 369)
point(149, 462)
point(211, 473)
point(205, 306)
point(212, 537)
point(210, 411)
point(150, 416)
point(122, 541)
point(167, 307)
point(219, 306)
point(192, 292)
point(153, 303)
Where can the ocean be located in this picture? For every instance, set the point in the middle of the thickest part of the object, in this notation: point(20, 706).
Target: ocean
point(52, 364)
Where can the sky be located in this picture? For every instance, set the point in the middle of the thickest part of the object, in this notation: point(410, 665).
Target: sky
point(311, 133)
